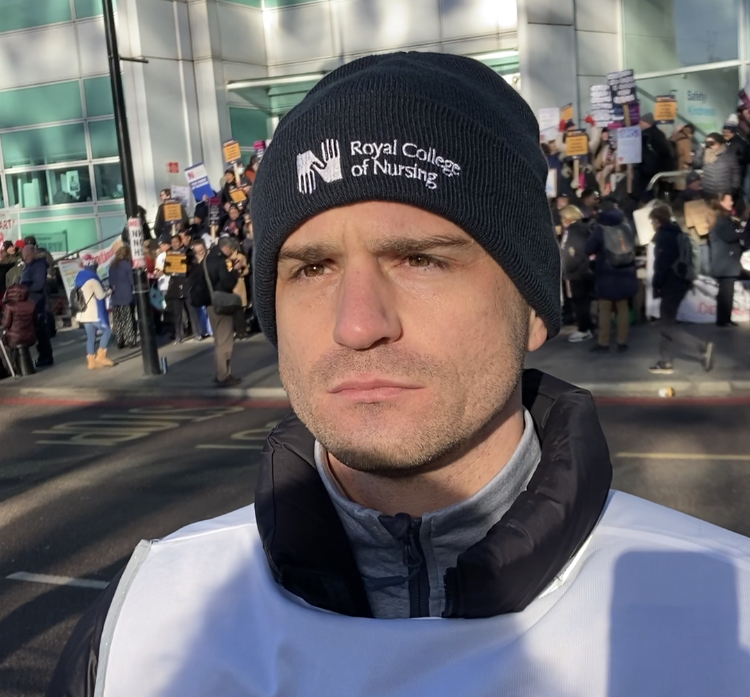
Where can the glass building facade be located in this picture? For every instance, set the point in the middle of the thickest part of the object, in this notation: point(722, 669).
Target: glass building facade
point(58, 146)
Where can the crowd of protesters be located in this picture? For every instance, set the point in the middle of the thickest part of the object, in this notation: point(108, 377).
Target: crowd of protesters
point(188, 261)
point(593, 208)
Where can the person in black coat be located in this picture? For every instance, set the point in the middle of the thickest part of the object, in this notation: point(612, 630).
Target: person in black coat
point(726, 251)
point(671, 288)
point(577, 275)
point(614, 286)
point(657, 154)
point(222, 277)
point(721, 170)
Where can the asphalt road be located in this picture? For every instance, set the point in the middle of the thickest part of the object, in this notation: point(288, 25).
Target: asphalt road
point(81, 484)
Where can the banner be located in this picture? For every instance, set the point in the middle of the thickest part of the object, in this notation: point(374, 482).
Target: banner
point(549, 123)
point(10, 224)
point(197, 177)
point(665, 109)
point(699, 305)
point(69, 268)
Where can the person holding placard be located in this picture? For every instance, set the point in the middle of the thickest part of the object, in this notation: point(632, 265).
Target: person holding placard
point(682, 140)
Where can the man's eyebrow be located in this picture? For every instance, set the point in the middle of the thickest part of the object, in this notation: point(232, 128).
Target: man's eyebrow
point(307, 254)
point(404, 246)
point(397, 246)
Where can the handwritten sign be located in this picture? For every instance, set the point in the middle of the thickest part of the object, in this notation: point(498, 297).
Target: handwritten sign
point(629, 146)
point(549, 123)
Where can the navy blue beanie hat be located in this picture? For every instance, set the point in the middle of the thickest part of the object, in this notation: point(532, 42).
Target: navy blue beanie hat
point(440, 132)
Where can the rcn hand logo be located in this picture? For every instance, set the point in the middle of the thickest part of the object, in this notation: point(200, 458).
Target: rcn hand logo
point(310, 167)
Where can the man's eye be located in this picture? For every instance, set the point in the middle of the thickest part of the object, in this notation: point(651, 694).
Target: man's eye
point(422, 261)
point(311, 270)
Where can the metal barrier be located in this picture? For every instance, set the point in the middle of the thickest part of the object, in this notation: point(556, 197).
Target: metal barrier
point(680, 173)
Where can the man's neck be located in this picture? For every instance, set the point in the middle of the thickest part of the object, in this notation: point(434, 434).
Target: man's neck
point(442, 486)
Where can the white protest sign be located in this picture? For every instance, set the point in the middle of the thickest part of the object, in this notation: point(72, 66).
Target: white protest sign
point(601, 105)
point(181, 194)
point(629, 142)
point(10, 226)
point(549, 123)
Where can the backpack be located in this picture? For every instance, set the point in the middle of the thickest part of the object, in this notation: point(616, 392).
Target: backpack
point(688, 263)
point(77, 301)
point(618, 246)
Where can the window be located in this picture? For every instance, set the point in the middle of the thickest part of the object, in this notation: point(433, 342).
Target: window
point(704, 99)
point(90, 8)
point(666, 35)
point(108, 181)
point(44, 146)
point(98, 92)
point(63, 235)
point(49, 187)
point(103, 139)
point(22, 14)
point(248, 125)
point(30, 106)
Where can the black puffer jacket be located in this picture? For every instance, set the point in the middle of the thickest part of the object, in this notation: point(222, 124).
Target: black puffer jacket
point(503, 573)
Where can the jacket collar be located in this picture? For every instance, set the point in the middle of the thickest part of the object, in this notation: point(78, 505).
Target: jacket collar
point(310, 555)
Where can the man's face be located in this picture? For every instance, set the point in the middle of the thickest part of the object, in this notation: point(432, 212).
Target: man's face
point(199, 250)
point(176, 242)
point(234, 213)
point(400, 338)
point(163, 196)
point(28, 254)
point(562, 202)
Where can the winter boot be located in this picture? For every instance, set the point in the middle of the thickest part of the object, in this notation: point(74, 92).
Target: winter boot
point(101, 359)
point(93, 365)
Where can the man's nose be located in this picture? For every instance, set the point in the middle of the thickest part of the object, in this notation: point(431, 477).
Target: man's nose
point(366, 312)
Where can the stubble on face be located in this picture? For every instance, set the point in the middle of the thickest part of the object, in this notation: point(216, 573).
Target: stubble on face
point(470, 379)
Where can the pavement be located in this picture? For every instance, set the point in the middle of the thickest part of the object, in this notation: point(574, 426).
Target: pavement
point(191, 369)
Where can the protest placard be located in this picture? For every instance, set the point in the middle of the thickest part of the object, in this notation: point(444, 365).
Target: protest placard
point(137, 247)
point(197, 177)
point(10, 224)
point(175, 263)
point(622, 85)
point(238, 195)
point(601, 105)
point(566, 113)
point(172, 212)
point(629, 150)
point(665, 109)
point(577, 144)
point(181, 194)
point(549, 123)
point(232, 152)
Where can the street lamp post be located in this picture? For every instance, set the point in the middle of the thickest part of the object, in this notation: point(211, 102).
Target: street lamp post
point(145, 318)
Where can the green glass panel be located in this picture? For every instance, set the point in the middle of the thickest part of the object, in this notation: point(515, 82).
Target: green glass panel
point(90, 8)
point(284, 3)
point(103, 139)
point(108, 181)
point(21, 14)
point(58, 212)
point(112, 225)
point(44, 146)
point(63, 235)
point(248, 125)
point(111, 207)
point(249, 3)
point(98, 92)
point(60, 101)
point(50, 187)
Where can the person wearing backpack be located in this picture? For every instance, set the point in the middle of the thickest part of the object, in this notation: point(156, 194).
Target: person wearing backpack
point(674, 272)
point(612, 240)
point(91, 312)
point(726, 251)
